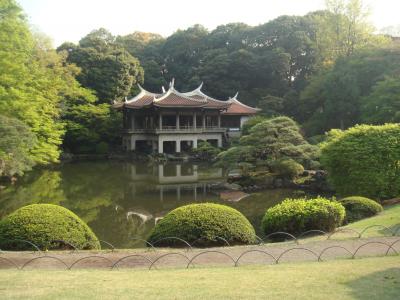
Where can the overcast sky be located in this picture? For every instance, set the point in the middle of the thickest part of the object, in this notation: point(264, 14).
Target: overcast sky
point(71, 20)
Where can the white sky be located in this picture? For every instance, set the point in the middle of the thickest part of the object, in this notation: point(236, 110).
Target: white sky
point(71, 20)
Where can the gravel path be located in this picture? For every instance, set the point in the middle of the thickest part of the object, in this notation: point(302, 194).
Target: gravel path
point(222, 256)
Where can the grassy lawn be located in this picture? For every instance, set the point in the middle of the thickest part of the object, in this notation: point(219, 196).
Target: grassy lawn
point(390, 218)
point(369, 278)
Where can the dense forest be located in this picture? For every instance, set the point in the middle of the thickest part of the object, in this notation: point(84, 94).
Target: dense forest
point(327, 69)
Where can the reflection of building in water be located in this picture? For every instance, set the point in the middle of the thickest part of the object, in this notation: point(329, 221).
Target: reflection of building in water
point(154, 190)
point(172, 181)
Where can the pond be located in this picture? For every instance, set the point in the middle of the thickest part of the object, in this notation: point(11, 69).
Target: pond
point(122, 201)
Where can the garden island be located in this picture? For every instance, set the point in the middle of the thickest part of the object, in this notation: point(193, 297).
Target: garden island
point(132, 184)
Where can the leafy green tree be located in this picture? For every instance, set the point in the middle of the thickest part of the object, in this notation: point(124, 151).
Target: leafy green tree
point(106, 67)
point(16, 143)
point(383, 104)
point(342, 29)
point(250, 123)
point(295, 36)
point(30, 85)
point(182, 53)
point(279, 138)
point(272, 140)
point(364, 160)
point(147, 48)
point(271, 106)
point(335, 98)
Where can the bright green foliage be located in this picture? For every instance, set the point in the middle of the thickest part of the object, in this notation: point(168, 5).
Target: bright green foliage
point(272, 139)
point(30, 84)
point(278, 138)
point(296, 216)
point(204, 223)
point(16, 142)
point(232, 157)
point(250, 123)
point(42, 224)
point(89, 125)
point(205, 151)
point(364, 160)
point(358, 208)
point(287, 168)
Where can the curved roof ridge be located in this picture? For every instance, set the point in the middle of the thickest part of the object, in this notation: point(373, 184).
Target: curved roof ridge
point(142, 93)
point(174, 91)
point(198, 92)
point(234, 99)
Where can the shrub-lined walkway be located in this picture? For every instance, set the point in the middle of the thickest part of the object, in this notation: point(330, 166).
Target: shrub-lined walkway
point(341, 244)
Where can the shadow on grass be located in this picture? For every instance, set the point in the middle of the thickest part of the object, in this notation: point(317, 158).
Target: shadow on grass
point(378, 285)
point(394, 229)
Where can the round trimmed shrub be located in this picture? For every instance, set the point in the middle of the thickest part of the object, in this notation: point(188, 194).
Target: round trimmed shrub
point(204, 224)
point(42, 224)
point(296, 216)
point(358, 208)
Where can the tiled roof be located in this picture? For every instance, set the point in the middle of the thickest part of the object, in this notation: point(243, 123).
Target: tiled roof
point(195, 98)
point(174, 99)
point(238, 108)
point(211, 103)
point(145, 100)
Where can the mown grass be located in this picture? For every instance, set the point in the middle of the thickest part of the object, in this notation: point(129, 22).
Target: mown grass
point(390, 217)
point(368, 278)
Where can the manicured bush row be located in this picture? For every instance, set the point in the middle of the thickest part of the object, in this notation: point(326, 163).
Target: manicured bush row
point(296, 216)
point(358, 208)
point(203, 224)
point(42, 224)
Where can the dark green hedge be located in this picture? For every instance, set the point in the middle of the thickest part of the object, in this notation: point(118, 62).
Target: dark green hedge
point(299, 215)
point(358, 208)
point(42, 224)
point(204, 223)
point(364, 160)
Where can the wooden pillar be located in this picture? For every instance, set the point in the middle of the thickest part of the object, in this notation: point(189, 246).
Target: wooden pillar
point(160, 121)
point(204, 120)
point(194, 121)
point(219, 121)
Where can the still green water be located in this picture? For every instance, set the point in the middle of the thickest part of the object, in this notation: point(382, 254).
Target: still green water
point(122, 201)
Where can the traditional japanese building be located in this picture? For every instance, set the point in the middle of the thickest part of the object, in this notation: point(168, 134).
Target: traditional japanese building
point(172, 121)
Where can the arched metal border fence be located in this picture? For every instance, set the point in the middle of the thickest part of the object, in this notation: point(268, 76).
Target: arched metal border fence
point(388, 248)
